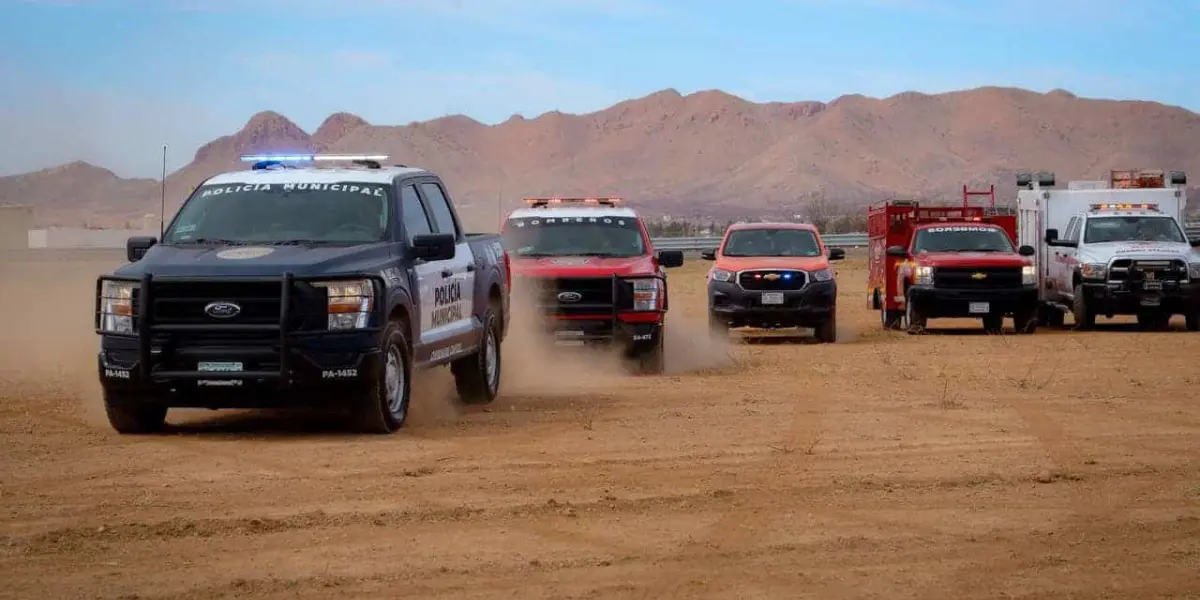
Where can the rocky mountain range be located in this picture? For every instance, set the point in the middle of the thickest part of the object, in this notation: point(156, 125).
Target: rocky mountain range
point(706, 154)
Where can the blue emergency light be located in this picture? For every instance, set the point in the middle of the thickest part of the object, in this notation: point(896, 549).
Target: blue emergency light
point(264, 161)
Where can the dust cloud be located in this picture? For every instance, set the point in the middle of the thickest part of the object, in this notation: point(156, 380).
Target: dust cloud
point(48, 356)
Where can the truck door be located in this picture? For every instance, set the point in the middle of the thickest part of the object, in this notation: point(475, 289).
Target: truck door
point(452, 300)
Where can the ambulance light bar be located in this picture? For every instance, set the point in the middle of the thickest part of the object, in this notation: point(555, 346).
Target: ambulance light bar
point(543, 202)
point(1124, 206)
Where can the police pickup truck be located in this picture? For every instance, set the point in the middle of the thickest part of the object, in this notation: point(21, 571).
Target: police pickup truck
point(293, 284)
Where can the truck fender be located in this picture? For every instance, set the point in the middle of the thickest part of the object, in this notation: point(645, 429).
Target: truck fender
point(400, 300)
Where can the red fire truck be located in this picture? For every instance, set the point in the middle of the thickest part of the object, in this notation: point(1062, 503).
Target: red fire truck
point(948, 261)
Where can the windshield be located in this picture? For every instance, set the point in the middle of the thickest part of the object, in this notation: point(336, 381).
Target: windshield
point(333, 213)
point(962, 238)
point(614, 237)
point(1132, 229)
point(771, 242)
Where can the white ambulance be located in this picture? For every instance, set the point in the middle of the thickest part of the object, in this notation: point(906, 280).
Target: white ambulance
point(1115, 247)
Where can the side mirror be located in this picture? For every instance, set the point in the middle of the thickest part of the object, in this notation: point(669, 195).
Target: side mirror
point(837, 253)
point(897, 251)
point(670, 258)
point(1051, 235)
point(1026, 250)
point(1195, 242)
point(137, 246)
point(708, 254)
point(434, 246)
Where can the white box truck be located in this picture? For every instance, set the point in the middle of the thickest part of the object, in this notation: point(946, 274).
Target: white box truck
point(1113, 248)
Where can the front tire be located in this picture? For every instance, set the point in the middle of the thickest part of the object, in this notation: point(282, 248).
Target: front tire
point(383, 406)
point(993, 324)
point(1025, 321)
point(133, 414)
point(1154, 321)
point(653, 361)
point(1085, 317)
point(1192, 321)
point(914, 318)
point(477, 377)
point(717, 328)
point(826, 332)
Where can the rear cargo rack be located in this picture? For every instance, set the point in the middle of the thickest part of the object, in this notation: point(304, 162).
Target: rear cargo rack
point(145, 328)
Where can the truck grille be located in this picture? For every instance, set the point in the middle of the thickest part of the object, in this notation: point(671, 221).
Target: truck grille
point(183, 303)
point(595, 295)
point(972, 278)
point(1126, 269)
point(772, 280)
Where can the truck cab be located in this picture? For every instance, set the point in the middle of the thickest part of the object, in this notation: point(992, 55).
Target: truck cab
point(293, 283)
point(1115, 247)
point(593, 275)
point(949, 262)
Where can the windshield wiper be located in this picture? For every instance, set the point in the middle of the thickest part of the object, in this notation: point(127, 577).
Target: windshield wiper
point(298, 242)
point(217, 241)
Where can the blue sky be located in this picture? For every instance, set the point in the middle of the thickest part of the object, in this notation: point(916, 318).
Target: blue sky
point(110, 81)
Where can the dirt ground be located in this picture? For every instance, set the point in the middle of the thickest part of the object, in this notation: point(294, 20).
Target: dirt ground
point(953, 465)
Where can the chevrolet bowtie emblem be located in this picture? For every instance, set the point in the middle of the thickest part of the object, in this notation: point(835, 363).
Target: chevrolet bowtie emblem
point(978, 275)
point(771, 276)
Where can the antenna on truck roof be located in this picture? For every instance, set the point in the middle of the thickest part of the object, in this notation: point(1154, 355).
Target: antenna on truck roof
point(162, 202)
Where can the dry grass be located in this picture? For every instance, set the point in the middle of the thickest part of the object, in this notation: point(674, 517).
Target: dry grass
point(951, 465)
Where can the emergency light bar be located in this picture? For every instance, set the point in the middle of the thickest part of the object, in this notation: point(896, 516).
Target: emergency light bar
point(541, 202)
point(1125, 206)
point(313, 157)
point(263, 162)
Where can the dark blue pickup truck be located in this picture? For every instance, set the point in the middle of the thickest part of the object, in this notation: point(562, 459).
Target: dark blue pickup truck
point(297, 285)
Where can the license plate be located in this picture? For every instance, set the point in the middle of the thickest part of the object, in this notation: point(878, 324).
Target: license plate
point(1151, 301)
point(979, 308)
point(219, 367)
point(772, 298)
point(568, 338)
point(1153, 285)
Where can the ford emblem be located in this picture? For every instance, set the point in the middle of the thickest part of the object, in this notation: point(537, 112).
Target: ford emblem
point(569, 297)
point(222, 310)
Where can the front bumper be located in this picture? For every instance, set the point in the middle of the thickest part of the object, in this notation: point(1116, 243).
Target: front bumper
point(632, 337)
point(1129, 297)
point(238, 365)
point(935, 302)
point(809, 306)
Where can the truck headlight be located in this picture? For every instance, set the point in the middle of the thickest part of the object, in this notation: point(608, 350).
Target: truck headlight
point(350, 303)
point(721, 275)
point(1093, 270)
point(923, 276)
point(646, 293)
point(1194, 270)
point(116, 306)
point(822, 275)
point(1028, 275)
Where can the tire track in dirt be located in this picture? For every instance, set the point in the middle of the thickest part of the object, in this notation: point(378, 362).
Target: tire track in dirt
point(733, 529)
point(1083, 511)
